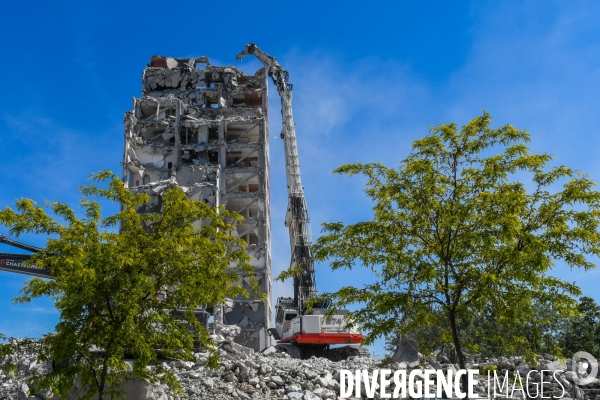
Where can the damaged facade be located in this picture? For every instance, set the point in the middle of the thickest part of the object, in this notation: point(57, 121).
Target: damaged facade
point(204, 129)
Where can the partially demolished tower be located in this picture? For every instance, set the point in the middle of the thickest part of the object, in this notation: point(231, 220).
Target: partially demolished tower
point(205, 130)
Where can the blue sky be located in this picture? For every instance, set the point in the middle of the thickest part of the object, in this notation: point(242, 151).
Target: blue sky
point(369, 78)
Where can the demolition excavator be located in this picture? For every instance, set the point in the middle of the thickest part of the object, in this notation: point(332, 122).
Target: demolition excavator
point(300, 332)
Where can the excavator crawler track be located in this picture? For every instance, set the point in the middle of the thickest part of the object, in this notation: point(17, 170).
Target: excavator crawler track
point(345, 352)
point(289, 349)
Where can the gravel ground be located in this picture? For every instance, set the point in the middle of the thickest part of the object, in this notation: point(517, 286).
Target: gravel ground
point(244, 374)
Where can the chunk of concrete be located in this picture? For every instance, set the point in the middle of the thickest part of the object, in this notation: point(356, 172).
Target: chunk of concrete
point(407, 351)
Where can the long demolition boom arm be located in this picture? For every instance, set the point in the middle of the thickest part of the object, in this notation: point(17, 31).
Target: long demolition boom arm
point(297, 214)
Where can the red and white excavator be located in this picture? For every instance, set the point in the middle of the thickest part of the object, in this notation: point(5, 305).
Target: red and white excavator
point(299, 332)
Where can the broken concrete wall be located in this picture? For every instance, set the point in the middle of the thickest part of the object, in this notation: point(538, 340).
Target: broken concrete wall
point(205, 129)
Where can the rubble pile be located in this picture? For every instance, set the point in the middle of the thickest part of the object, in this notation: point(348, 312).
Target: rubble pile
point(245, 374)
point(524, 380)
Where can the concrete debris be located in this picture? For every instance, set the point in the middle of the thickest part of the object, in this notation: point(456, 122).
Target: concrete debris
point(245, 374)
point(204, 129)
point(407, 351)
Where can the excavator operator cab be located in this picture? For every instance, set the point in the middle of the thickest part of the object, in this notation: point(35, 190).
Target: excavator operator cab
point(284, 315)
point(285, 312)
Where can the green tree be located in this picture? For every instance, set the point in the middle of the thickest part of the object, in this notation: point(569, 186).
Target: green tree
point(121, 283)
point(539, 332)
point(482, 334)
point(582, 332)
point(455, 232)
